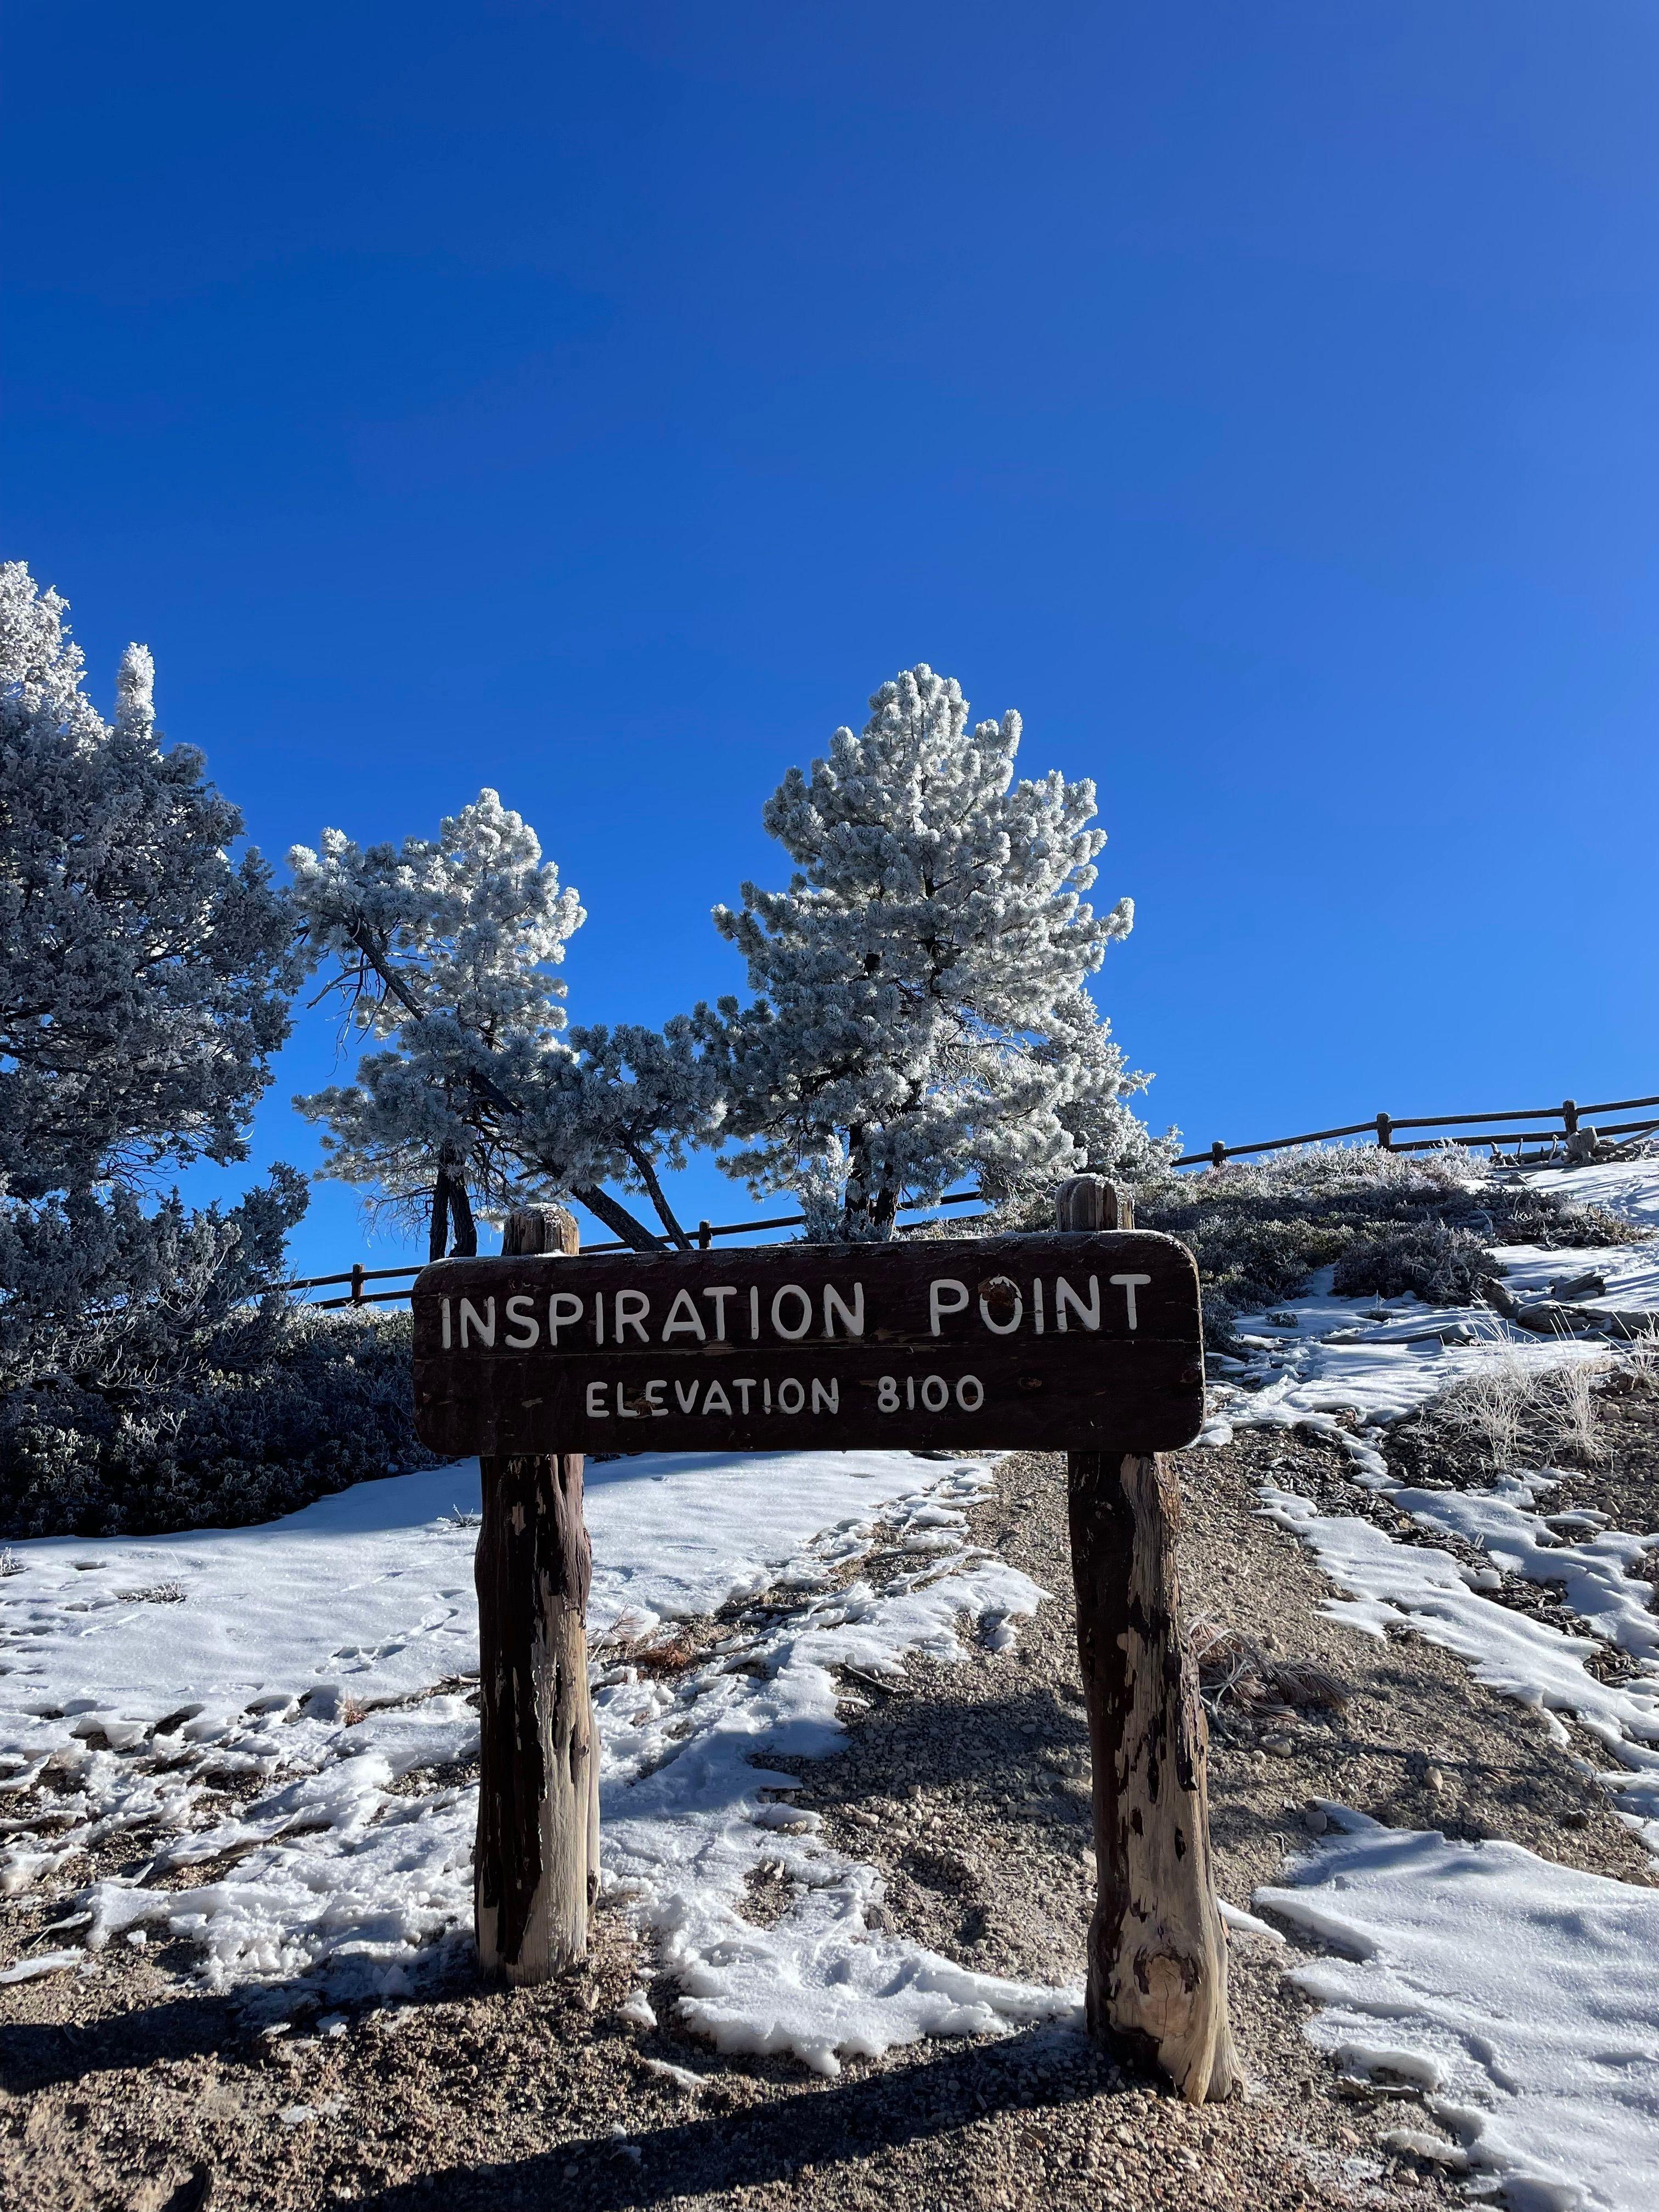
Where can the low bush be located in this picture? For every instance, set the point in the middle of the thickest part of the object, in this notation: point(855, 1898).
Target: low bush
point(317, 1401)
point(1441, 1265)
point(1391, 1222)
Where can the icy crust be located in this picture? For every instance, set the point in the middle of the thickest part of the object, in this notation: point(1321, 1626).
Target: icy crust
point(1521, 1995)
point(272, 1711)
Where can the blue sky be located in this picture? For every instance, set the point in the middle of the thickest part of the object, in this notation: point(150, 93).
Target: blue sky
point(598, 403)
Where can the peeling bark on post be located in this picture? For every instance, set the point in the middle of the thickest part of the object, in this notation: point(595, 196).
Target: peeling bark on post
point(536, 1865)
point(1157, 1958)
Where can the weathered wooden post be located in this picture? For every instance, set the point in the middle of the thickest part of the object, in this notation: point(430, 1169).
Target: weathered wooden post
point(1158, 1959)
point(536, 1868)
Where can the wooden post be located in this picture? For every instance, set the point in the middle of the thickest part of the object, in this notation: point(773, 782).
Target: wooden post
point(1157, 1958)
point(536, 1868)
point(1385, 1133)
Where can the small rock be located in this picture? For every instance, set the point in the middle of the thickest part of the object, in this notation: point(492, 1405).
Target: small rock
point(1314, 1821)
point(1433, 1781)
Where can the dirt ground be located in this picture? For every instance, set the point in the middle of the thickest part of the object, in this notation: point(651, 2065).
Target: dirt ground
point(967, 1785)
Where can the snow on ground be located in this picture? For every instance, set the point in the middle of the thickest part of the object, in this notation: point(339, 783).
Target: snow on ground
point(270, 1711)
point(1521, 1995)
point(1384, 1358)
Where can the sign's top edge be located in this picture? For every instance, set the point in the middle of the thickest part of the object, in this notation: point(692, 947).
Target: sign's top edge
point(456, 1268)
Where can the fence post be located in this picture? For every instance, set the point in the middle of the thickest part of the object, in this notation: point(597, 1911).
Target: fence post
point(535, 1867)
point(1570, 1117)
point(1218, 1154)
point(356, 1282)
point(705, 1235)
point(1158, 1957)
point(1385, 1133)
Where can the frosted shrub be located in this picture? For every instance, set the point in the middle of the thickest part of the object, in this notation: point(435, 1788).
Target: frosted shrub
point(1440, 1265)
point(327, 1401)
point(1422, 1222)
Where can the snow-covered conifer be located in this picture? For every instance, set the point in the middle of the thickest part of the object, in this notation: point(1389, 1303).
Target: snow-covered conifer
point(922, 1014)
point(143, 972)
point(144, 977)
point(445, 950)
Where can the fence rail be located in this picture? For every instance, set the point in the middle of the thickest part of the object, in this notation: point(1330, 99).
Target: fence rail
point(1569, 1113)
point(1382, 1127)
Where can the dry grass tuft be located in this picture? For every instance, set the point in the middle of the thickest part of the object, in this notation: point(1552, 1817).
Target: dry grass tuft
point(1235, 1672)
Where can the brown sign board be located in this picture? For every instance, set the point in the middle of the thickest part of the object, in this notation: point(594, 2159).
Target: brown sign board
point(1057, 1342)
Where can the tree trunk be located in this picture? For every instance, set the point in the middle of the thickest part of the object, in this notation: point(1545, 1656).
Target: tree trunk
point(617, 1219)
point(1157, 1958)
point(437, 1242)
point(536, 1869)
point(465, 1245)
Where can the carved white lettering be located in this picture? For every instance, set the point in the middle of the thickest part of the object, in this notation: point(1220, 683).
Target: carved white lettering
point(720, 1292)
point(945, 1296)
point(446, 1307)
point(852, 1317)
point(483, 1325)
point(597, 1409)
point(786, 1404)
point(524, 1322)
point(653, 1398)
point(1065, 1296)
point(1002, 1327)
point(826, 1397)
point(685, 1397)
point(1128, 1284)
point(804, 1311)
point(684, 1319)
point(632, 1307)
point(715, 1399)
point(564, 1311)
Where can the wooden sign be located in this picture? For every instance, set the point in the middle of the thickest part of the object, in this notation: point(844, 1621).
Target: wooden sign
point(1074, 1342)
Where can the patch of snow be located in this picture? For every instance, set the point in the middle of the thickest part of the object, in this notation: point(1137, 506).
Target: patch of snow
point(319, 1664)
point(1395, 1585)
point(1521, 1995)
point(43, 1962)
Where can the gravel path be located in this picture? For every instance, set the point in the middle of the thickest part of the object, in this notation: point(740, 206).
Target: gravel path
point(966, 1786)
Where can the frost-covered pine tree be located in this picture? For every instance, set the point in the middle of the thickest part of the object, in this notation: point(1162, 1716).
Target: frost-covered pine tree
point(446, 950)
point(922, 1014)
point(144, 982)
point(144, 975)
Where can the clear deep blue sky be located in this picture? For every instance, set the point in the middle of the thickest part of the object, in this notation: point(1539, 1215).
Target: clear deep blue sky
point(598, 403)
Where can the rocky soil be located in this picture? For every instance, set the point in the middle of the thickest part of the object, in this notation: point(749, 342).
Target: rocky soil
point(967, 1785)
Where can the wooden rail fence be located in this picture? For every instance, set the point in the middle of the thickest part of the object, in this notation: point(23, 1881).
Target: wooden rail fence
point(1461, 1128)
